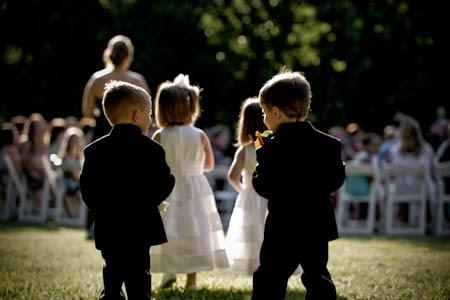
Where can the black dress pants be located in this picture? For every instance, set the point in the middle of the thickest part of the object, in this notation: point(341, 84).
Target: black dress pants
point(278, 261)
point(130, 266)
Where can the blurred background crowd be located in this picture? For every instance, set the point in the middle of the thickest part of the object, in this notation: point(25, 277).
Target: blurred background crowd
point(369, 63)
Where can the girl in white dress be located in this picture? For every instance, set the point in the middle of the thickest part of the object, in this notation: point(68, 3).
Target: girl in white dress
point(194, 231)
point(246, 228)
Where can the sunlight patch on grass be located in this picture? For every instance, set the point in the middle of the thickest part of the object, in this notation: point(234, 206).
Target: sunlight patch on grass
point(381, 268)
point(44, 262)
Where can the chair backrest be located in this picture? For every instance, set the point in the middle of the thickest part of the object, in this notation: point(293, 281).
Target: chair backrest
point(409, 179)
point(14, 175)
point(14, 189)
point(443, 169)
point(399, 170)
point(443, 175)
point(360, 179)
point(360, 169)
point(51, 175)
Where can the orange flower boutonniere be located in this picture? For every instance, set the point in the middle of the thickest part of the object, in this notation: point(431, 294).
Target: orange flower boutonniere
point(262, 137)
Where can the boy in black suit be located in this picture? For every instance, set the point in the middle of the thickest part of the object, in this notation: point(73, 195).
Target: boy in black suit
point(298, 169)
point(124, 202)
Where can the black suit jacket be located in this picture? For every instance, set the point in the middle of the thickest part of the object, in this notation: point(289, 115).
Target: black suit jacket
point(298, 169)
point(123, 180)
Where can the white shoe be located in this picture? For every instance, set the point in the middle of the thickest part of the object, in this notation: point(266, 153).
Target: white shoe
point(167, 280)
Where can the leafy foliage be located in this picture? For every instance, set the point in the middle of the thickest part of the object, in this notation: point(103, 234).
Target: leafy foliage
point(365, 60)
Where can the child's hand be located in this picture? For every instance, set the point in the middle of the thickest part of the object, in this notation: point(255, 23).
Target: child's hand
point(262, 137)
point(162, 207)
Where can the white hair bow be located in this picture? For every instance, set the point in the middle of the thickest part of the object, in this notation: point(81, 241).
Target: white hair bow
point(182, 81)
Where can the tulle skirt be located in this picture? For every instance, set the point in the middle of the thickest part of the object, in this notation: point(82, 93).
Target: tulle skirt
point(246, 232)
point(194, 230)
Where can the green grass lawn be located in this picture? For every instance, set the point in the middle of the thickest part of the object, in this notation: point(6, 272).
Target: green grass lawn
point(45, 262)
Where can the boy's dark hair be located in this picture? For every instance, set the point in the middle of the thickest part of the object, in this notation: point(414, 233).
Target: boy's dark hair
point(290, 92)
point(120, 96)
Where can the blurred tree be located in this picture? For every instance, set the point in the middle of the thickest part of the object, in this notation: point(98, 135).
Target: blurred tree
point(253, 40)
point(47, 51)
point(365, 60)
point(380, 57)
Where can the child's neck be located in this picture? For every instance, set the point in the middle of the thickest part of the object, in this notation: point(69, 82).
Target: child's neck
point(291, 120)
point(176, 123)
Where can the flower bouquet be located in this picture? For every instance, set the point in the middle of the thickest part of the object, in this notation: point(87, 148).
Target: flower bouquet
point(162, 207)
point(262, 137)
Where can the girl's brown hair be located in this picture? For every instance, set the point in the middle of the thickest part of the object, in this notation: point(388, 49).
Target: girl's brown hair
point(250, 121)
point(411, 138)
point(70, 134)
point(176, 104)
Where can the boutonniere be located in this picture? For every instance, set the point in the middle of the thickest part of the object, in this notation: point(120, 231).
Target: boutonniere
point(262, 137)
point(162, 207)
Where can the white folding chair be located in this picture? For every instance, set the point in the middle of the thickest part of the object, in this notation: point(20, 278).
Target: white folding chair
point(49, 192)
point(443, 172)
point(61, 215)
point(405, 184)
point(27, 211)
point(14, 190)
point(346, 199)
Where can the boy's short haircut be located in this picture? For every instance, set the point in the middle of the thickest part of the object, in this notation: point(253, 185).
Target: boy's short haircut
point(120, 96)
point(290, 92)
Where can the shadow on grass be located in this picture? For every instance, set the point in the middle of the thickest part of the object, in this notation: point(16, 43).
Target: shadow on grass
point(220, 294)
point(17, 226)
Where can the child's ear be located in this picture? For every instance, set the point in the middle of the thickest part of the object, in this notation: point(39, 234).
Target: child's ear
point(136, 115)
point(276, 112)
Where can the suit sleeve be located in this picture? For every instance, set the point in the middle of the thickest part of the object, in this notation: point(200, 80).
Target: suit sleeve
point(87, 186)
point(264, 181)
point(336, 169)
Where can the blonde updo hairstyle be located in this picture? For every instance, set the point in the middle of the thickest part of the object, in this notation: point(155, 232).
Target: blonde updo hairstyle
point(118, 50)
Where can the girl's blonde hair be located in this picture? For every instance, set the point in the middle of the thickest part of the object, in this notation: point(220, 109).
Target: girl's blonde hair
point(176, 104)
point(250, 121)
point(70, 134)
point(411, 138)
